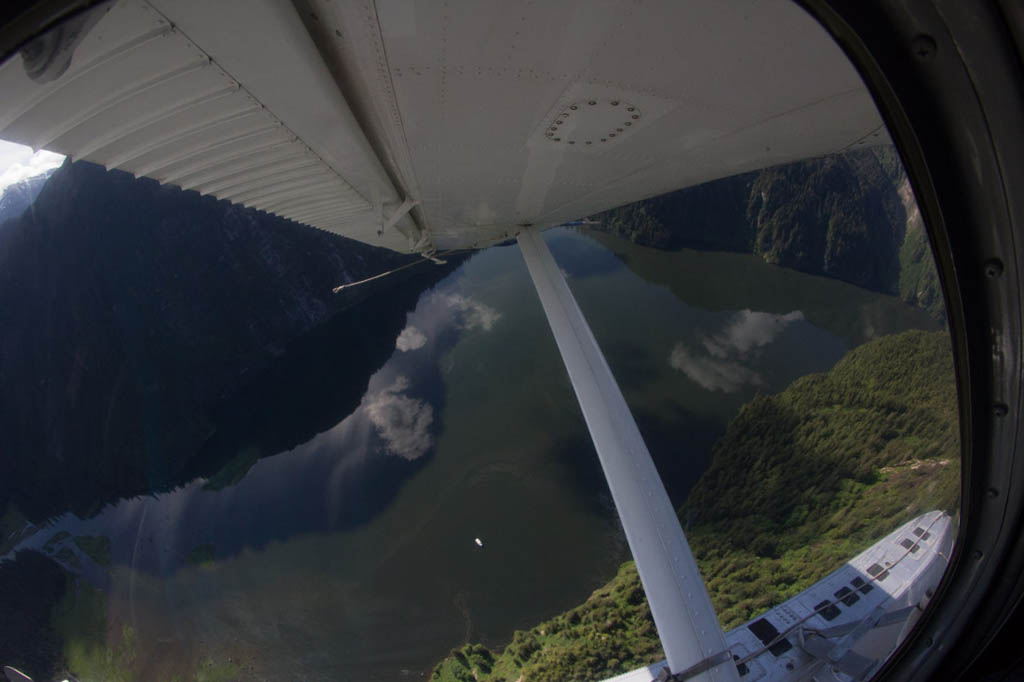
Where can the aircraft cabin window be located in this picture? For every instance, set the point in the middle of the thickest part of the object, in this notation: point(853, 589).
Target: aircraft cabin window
point(458, 344)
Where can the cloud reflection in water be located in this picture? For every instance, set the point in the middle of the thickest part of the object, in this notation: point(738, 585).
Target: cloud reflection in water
point(712, 374)
point(403, 423)
point(748, 330)
point(411, 338)
point(727, 358)
point(475, 315)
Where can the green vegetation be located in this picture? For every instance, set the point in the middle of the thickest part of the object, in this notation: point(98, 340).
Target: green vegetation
point(202, 555)
point(213, 670)
point(95, 652)
point(96, 547)
point(609, 633)
point(80, 619)
point(800, 482)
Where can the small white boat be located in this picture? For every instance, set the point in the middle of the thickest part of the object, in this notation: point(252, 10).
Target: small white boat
point(479, 542)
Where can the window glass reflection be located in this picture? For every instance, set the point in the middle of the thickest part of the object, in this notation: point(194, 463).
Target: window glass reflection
point(217, 469)
point(290, 500)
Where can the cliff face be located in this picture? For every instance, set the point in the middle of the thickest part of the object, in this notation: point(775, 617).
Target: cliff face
point(130, 310)
point(839, 216)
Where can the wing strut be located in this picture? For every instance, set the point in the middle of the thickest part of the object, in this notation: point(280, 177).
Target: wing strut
point(686, 621)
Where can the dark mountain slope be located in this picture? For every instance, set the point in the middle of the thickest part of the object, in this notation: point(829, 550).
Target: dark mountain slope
point(838, 216)
point(129, 310)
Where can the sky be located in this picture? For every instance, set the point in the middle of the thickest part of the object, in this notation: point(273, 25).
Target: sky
point(18, 162)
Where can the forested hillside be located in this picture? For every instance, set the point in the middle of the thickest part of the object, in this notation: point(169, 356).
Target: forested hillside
point(800, 482)
point(850, 216)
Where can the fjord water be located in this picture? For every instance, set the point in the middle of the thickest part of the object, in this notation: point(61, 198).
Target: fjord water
point(353, 556)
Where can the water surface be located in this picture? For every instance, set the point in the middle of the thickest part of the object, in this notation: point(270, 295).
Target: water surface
point(353, 556)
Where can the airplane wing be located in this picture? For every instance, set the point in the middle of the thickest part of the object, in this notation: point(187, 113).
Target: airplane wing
point(424, 125)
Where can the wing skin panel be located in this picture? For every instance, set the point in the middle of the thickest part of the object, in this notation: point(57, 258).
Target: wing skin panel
point(791, 137)
point(230, 148)
point(265, 47)
point(298, 200)
point(182, 144)
point(224, 172)
point(163, 127)
point(302, 188)
point(463, 97)
point(287, 169)
point(148, 107)
point(229, 98)
point(491, 115)
point(137, 69)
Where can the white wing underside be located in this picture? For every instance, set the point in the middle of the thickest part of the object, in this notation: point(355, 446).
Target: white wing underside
point(484, 117)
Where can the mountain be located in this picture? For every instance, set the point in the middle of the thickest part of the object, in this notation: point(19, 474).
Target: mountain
point(838, 216)
point(18, 196)
point(135, 315)
point(712, 216)
point(800, 482)
point(850, 216)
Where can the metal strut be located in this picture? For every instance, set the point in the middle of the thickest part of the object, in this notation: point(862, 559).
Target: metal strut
point(686, 621)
